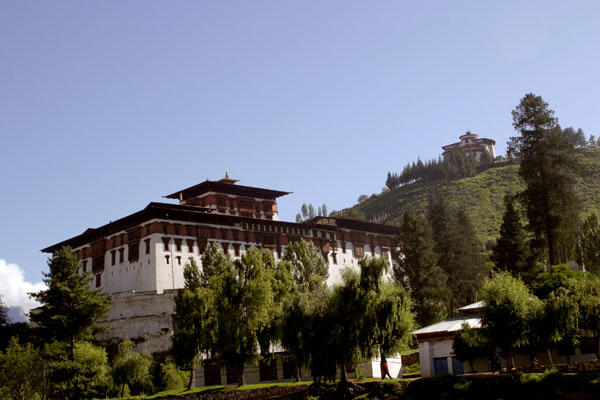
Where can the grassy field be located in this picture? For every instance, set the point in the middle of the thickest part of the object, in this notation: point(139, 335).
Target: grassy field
point(549, 385)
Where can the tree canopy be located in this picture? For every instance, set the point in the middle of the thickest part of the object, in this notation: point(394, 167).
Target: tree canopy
point(548, 169)
point(70, 308)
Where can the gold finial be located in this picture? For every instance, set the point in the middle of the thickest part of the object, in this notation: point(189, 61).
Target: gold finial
point(226, 174)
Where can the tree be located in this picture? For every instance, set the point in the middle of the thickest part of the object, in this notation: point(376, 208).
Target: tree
point(309, 273)
point(242, 306)
point(21, 371)
point(511, 250)
point(130, 368)
point(507, 315)
point(592, 141)
point(70, 308)
point(575, 137)
point(548, 169)
point(416, 268)
point(368, 313)
point(362, 198)
point(588, 248)
point(459, 252)
point(192, 322)
point(324, 209)
point(311, 211)
point(308, 267)
point(587, 296)
point(469, 344)
point(304, 211)
point(298, 218)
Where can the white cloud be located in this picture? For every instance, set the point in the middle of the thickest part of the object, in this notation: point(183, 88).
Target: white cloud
point(14, 289)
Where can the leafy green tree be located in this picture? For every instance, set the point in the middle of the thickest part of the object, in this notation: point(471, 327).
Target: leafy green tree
point(192, 322)
point(129, 368)
point(298, 218)
point(324, 209)
point(557, 321)
point(506, 318)
point(311, 211)
point(242, 306)
point(549, 170)
point(588, 248)
point(587, 296)
point(416, 268)
point(459, 252)
point(469, 344)
point(560, 276)
point(70, 308)
point(87, 376)
point(362, 198)
point(308, 267)
point(592, 141)
point(367, 313)
point(309, 273)
point(511, 250)
point(21, 372)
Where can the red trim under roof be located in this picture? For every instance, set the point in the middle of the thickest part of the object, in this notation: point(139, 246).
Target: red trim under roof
point(227, 188)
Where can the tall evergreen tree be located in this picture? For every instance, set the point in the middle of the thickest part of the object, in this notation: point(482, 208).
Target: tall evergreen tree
point(459, 252)
point(324, 208)
point(311, 211)
point(548, 169)
point(304, 211)
point(70, 308)
point(416, 268)
point(511, 250)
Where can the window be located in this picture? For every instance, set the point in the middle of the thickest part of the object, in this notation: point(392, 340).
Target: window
point(176, 227)
point(236, 249)
point(457, 366)
point(334, 256)
point(440, 365)
point(166, 241)
point(113, 257)
point(178, 260)
point(268, 370)
point(98, 280)
point(359, 251)
point(245, 205)
point(178, 244)
point(98, 263)
point(84, 265)
point(147, 241)
point(121, 255)
point(190, 243)
point(221, 202)
point(167, 259)
point(134, 252)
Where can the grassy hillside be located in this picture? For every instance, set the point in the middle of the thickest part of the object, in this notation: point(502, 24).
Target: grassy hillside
point(481, 196)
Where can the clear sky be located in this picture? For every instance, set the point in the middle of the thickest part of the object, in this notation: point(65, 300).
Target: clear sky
point(108, 105)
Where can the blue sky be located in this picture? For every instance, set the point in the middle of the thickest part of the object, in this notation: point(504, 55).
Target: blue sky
point(106, 106)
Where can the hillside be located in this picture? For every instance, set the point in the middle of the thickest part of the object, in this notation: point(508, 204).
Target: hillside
point(481, 196)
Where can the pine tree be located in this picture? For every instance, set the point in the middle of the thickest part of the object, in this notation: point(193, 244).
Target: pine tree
point(416, 268)
point(549, 170)
point(70, 308)
point(459, 252)
point(511, 250)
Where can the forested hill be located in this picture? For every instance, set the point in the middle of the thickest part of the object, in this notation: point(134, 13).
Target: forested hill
point(480, 196)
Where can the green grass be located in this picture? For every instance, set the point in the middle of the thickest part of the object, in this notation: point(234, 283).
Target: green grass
point(218, 388)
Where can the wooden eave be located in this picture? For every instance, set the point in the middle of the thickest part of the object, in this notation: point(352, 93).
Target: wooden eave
point(226, 188)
